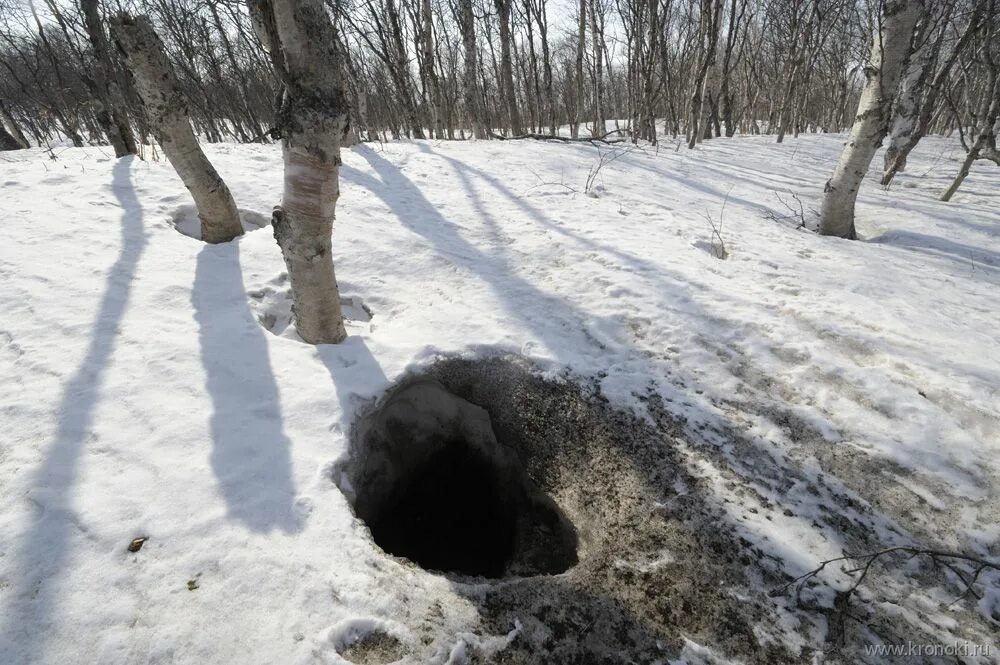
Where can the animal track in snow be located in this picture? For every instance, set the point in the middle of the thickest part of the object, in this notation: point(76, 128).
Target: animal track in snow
point(272, 305)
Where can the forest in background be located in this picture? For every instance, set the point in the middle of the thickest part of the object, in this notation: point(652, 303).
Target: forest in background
point(451, 69)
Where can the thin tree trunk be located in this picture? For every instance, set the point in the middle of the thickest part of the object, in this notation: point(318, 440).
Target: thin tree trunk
point(119, 131)
point(986, 138)
point(166, 111)
point(430, 75)
point(888, 56)
point(581, 36)
point(507, 68)
point(18, 141)
point(313, 120)
point(907, 143)
point(596, 37)
point(473, 99)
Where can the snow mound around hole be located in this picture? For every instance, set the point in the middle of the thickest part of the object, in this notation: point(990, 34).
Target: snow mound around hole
point(617, 548)
point(186, 221)
point(271, 304)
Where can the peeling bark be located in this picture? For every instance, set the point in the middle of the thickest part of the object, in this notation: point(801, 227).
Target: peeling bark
point(312, 122)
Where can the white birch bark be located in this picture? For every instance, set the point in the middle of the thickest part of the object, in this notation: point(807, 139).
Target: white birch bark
point(312, 121)
point(18, 140)
point(473, 105)
point(708, 97)
point(984, 146)
point(906, 112)
point(166, 112)
point(890, 48)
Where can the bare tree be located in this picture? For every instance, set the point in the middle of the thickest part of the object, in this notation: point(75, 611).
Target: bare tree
point(981, 77)
point(166, 111)
point(507, 68)
point(312, 121)
point(470, 78)
point(908, 131)
point(119, 131)
point(703, 88)
point(890, 48)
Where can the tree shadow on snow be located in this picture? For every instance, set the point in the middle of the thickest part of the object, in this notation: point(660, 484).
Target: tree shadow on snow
point(941, 247)
point(45, 548)
point(408, 203)
point(251, 455)
point(351, 363)
point(718, 442)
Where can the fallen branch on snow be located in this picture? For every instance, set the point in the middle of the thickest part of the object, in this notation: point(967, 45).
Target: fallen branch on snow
point(938, 557)
point(841, 603)
point(564, 139)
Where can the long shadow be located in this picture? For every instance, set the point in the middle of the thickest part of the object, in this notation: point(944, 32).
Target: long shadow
point(251, 455)
point(45, 548)
point(415, 212)
point(463, 169)
point(356, 374)
point(941, 247)
point(547, 317)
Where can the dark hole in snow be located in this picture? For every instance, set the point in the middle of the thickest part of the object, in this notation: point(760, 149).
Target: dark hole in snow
point(434, 485)
point(449, 514)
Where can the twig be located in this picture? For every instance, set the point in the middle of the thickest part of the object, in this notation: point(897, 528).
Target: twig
point(561, 139)
point(939, 558)
point(796, 214)
point(719, 251)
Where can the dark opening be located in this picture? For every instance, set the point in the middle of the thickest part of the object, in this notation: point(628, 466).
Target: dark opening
point(449, 515)
point(432, 482)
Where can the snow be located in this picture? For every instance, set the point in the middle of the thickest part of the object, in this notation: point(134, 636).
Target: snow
point(142, 397)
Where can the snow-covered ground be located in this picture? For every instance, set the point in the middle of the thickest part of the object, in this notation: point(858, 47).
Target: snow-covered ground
point(835, 394)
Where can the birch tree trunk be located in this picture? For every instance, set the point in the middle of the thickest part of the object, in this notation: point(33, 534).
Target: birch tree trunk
point(708, 98)
point(7, 121)
point(8, 141)
point(578, 70)
point(167, 114)
point(985, 143)
point(708, 33)
point(507, 67)
point(312, 121)
point(473, 103)
point(430, 74)
point(907, 142)
point(890, 48)
point(597, 38)
point(118, 131)
point(912, 89)
point(11, 136)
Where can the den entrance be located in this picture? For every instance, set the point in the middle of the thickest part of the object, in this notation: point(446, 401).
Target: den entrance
point(432, 482)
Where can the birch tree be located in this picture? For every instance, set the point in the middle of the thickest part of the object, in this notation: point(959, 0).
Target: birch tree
point(906, 134)
point(119, 131)
point(470, 77)
point(889, 51)
point(981, 77)
point(708, 38)
point(312, 121)
point(578, 68)
point(912, 85)
point(166, 112)
point(509, 93)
